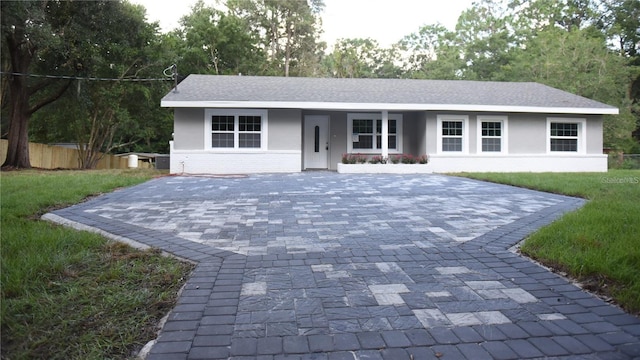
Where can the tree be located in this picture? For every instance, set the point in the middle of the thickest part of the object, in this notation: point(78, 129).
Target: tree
point(431, 53)
point(119, 113)
point(288, 29)
point(483, 35)
point(361, 58)
point(32, 31)
point(580, 63)
point(621, 23)
point(210, 41)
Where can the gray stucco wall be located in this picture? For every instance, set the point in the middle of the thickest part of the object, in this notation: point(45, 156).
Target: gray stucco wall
point(285, 129)
point(188, 127)
point(594, 134)
point(338, 138)
point(432, 133)
point(527, 134)
point(413, 128)
point(473, 134)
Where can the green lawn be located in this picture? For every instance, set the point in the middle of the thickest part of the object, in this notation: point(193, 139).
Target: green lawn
point(598, 244)
point(68, 294)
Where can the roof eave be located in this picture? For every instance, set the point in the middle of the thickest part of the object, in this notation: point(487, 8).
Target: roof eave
point(387, 106)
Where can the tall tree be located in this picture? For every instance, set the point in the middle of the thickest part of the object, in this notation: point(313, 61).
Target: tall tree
point(579, 62)
point(210, 41)
point(33, 36)
point(289, 30)
point(621, 23)
point(484, 37)
point(361, 58)
point(431, 53)
point(117, 114)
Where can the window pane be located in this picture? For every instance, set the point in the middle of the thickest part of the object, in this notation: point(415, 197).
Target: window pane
point(362, 126)
point(491, 144)
point(249, 140)
point(491, 128)
point(564, 129)
point(365, 142)
point(249, 123)
point(452, 128)
point(222, 140)
point(564, 145)
point(391, 144)
point(391, 128)
point(451, 144)
point(222, 123)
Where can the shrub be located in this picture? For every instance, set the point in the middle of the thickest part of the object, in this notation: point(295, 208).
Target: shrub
point(378, 160)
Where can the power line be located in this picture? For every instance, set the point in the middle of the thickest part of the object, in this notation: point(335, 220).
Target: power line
point(84, 78)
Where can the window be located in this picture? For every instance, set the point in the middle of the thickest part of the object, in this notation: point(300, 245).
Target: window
point(452, 136)
point(452, 133)
point(566, 135)
point(491, 136)
point(235, 129)
point(222, 131)
point(492, 132)
point(249, 131)
point(365, 133)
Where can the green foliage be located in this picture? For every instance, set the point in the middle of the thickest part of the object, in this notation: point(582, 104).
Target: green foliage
point(288, 32)
point(210, 41)
point(432, 54)
point(361, 58)
point(70, 294)
point(597, 244)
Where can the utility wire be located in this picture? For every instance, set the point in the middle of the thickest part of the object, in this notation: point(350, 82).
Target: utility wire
point(83, 78)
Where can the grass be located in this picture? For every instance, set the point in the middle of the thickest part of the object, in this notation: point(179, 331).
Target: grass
point(599, 244)
point(69, 294)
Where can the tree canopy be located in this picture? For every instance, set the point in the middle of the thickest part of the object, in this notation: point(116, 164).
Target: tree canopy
point(587, 47)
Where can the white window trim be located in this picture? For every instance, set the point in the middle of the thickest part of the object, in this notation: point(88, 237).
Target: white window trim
point(374, 116)
point(465, 134)
point(504, 138)
point(236, 113)
point(582, 135)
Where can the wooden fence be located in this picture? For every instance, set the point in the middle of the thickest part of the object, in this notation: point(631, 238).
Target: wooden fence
point(58, 157)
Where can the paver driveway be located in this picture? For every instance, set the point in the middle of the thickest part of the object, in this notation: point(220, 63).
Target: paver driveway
point(321, 265)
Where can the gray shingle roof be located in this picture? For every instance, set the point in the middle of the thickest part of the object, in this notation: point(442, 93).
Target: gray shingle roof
point(287, 91)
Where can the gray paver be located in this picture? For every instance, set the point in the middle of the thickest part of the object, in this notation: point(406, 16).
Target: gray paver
point(320, 265)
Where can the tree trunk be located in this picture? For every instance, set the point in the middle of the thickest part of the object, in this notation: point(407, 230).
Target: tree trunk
point(18, 137)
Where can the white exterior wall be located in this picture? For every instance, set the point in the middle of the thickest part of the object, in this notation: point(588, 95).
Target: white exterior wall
point(247, 162)
point(519, 163)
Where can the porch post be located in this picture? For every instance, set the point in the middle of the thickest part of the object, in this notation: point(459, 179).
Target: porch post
point(385, 134)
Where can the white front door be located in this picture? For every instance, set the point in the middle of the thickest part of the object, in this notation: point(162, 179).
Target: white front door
point(316, 142)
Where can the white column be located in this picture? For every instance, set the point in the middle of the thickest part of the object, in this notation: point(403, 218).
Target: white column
point(385, 134)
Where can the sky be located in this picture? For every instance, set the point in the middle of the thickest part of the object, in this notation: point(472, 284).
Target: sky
point(386, 21)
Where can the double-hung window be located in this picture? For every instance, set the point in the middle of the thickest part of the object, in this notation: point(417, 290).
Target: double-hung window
point(365, 133)
point(228, 129)
point(493, 134)
point(452, 133)
point(566, 135)
point(222, 131)
point(249, 128)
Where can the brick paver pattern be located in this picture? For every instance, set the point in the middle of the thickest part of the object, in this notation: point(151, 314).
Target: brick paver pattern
point(319, 265)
